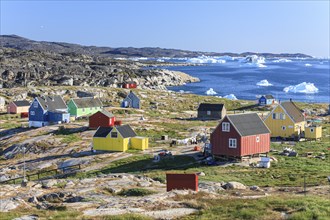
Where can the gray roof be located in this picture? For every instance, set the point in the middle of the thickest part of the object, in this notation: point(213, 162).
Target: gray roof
point(132, 96)
point(269, 97)
point(293, 111)
point(20, 103)
point(106, 113)
point(87, 102)
point(248, 124)
point(126, 131)
point(52, 103)
point(210, 107)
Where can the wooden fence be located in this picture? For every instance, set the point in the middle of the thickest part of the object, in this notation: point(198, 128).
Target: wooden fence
point(45, 174)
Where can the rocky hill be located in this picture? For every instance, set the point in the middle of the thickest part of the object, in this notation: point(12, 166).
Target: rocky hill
point(20, 43)
point(37, 68)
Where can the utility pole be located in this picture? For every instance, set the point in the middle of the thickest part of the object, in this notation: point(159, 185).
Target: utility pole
point(305, 191)
point(24, 181)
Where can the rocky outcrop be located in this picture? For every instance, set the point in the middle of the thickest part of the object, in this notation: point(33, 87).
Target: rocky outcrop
point(35, 68)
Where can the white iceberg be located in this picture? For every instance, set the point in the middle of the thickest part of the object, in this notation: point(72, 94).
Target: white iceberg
point(230, 96)
point(282, 61)
point(302, 88)
point(206, 59)
point(307, 64)
point(264, 82)
point(254, 61)
point(210, 92)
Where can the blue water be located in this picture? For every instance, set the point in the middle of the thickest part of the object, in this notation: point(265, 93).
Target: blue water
point(239, 79)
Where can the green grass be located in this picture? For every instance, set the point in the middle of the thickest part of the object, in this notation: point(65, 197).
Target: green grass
point(70, 138)
point(296, 207)
point(136, 192)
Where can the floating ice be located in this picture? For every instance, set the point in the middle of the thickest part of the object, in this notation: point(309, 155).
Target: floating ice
point(307, 64)
point(210, 92)
point(160, 60)
point(254, 61)
point(264, 82)
point(302, 88)
point(230, 96)
point(282, 61)
point(206, 59)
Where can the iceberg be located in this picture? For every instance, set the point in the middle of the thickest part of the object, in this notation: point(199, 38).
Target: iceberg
point(264, 82)
point(254, 61)
point(302, 88)
point(230, 96)
point(282, 61)
point(307, 64)
point(210, 92)
point(206, 59)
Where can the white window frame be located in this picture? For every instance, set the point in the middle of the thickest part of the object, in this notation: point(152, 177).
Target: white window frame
point(283, 128)
point(35, 104)
point(32, 113)
point(312, 130)
point(208, 112)
point(282, 116)
point(83, 109)
point(232, 143)
point(257, 139)
point(225, 126)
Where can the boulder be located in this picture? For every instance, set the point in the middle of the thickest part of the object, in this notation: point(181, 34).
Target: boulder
point(27, 217)
point(234, 185)
point(8, 204)
point(48, 183)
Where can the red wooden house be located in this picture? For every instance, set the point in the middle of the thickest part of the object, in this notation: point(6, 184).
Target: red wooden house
point(129, 85)
point(240, 135)
point(101, 119)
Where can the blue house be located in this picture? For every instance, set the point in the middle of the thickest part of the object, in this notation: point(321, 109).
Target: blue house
point(131, 101)
point(48, 110)
point(266, 100)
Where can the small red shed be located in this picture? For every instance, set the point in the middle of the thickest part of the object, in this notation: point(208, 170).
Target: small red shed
point(101, 119)
point(240, 135)
point(181, 181)
point(129, 85)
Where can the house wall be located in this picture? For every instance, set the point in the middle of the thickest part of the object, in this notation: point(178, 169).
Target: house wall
point(111, 144)
point(37, 113)
point(99, 119)
point(250, 146)
point(270, 101)
point(86, 111)
point(57, 117)
point(262, 101)
point(139, 143)
point(220, 141)
point(22, 109)
point(275, 125)
point(214, 114)
point(317, 133)
point(11, 108)
point(72, 108)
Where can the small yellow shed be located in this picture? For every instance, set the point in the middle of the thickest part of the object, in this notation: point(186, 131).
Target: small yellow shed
point(118, 138)
point(139, 143)
point(313, 132)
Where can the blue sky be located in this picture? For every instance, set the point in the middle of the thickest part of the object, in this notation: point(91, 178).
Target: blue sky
point(219, 26)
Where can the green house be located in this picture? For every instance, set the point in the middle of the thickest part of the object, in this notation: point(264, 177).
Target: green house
point(84, 106)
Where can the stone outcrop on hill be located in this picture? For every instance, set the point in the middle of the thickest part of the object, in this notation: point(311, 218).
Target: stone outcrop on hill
point(35, 68)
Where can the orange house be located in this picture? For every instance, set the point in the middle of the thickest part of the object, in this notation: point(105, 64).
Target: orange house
point(18, 107)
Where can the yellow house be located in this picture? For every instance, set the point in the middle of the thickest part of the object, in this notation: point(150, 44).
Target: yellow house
point(118, 138)
point(313, 132)
point(286, 120)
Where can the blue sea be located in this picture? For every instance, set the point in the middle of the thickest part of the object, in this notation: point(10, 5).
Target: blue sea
point(305, 80)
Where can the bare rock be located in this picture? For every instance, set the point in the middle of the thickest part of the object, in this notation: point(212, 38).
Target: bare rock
point(234, 185)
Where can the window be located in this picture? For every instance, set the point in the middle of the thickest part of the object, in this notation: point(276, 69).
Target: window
point(114, 134)
point(283, 128)
point(312, 129)
point(208, 112)
point(274, 115)
point(257, 139)
point(232, 143)
point(83, 110)
point(225, 126)
point(32, 113)
point(282, 116)
point(91, 109)
point(35, 104)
